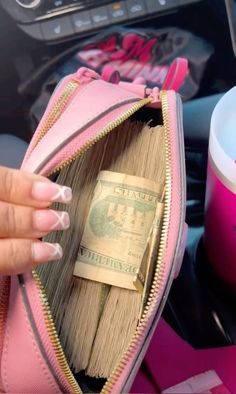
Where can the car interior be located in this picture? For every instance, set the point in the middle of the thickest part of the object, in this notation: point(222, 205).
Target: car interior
point(39, 36)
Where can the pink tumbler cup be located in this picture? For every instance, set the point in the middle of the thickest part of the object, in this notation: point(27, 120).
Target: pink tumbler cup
point(220, 204)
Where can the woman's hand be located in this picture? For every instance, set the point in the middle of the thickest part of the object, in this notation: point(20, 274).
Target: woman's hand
point(25, 216)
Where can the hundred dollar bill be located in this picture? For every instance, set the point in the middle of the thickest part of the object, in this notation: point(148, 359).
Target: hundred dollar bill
point(117, 228)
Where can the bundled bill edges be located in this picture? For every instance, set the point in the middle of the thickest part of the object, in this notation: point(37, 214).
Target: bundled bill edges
point(97, 292)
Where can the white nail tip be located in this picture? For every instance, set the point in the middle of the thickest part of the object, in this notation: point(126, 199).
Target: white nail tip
point(57, 252)
point(64, 194)
point(63, 221)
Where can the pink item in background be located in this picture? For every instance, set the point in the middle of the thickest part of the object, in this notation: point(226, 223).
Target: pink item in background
point(220, 206)
point(170, 360)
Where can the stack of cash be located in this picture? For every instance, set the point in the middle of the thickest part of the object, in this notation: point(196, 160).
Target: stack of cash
point(98, 290)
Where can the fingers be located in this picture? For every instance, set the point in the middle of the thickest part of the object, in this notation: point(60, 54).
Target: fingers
point(21, 255)
point(27, 189)
point(24, 217)
point(27, 222)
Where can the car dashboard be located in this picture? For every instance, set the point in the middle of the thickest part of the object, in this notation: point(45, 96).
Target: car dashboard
point(59, 19)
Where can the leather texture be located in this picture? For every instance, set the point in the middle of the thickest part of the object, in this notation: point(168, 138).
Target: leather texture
point(27, 345)
point(22, 364)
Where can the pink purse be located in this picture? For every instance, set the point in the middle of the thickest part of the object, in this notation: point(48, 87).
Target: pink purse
point(82, 110)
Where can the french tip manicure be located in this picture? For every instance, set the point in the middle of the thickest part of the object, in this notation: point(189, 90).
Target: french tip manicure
point(45, 251)
point(50, 220)
point(49, 191)
point(63, 194)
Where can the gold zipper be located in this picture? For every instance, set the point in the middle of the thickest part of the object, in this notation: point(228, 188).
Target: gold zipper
point(54, 338)
point(106, 130)
point(55, 113)
point(159, 273)
point(160, 267)
point(46, 308)
point(52, 117)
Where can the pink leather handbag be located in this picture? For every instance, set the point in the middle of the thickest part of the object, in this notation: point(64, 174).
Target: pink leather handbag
point(31, 357)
